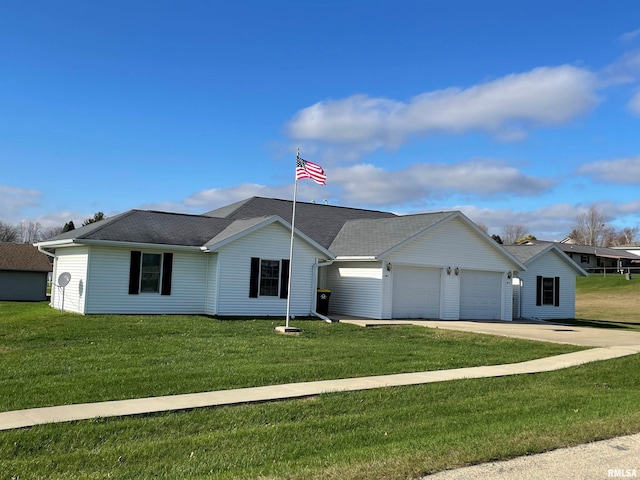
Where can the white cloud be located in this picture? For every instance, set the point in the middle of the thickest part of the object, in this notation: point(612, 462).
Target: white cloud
point(15, 200)
point(366, 184)
point(506, 108)
point(625, 69)
point(546, 223)
point(628, 36)
point(623, 171)
point(634, 104)
point(206, 200)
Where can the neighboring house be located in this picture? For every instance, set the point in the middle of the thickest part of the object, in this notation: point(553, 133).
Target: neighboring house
point(632, 249)
point(595, 259)
point(23, 273)
point(234, 261)
point(547, 288)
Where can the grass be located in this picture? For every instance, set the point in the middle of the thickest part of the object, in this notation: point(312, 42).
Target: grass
point(391, 433)
point(51, 358)
point(608, 301)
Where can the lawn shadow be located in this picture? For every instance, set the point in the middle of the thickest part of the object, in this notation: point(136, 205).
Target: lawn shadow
point(584, 322)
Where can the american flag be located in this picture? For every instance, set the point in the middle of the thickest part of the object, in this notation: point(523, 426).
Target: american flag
point(307, 169)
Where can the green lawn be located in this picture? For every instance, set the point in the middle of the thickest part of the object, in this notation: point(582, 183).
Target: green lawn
point(50, 358)
point(391, 433)
point(608, 301)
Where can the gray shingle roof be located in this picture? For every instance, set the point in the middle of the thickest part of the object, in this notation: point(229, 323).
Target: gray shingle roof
point(320, 222)
point(524, 253)
point(343, 231)
point(373, 237)
point(588, 250)
point(23, 257)
point(143, 226)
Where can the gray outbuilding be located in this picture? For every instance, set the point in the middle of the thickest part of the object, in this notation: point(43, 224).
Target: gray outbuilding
point(23, 273)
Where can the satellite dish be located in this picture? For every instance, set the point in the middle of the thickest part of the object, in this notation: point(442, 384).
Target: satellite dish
point(64, 279)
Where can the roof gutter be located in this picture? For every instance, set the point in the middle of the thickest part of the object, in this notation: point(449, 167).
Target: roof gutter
point(354, 258)
point(42, 250)
point(114, 243)
point(315, 267)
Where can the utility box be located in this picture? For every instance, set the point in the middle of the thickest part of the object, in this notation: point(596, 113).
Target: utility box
point(322, 301)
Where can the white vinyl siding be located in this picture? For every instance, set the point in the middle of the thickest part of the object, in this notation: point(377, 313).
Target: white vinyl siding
point(369, 289)
point(109, 282)
point(74, 260)
point(356, 288)
point(455, 244)
point(270, 242)
point(211, 292)
point(549, 265)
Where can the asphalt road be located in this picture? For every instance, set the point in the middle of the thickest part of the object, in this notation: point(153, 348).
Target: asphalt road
point(615, 458)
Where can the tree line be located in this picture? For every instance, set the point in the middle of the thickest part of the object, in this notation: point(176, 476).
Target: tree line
point(590, 228)
point(32, 232)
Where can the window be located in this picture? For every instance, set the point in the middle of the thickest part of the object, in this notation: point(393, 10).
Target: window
point(548, 291)
point(584, 258)
point(268, 278)
point(150, 273)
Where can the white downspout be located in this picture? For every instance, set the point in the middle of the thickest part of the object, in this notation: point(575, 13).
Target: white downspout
point(315, 267)
point(40, 249)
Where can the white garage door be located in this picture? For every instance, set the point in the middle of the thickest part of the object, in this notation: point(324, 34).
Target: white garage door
point(480, 295)
point(416, 293)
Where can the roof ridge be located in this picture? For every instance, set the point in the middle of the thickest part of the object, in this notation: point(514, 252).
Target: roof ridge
point(319, 205)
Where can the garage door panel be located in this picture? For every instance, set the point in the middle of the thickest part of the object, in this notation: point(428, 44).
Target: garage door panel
point(481, 295)
point(416, 293)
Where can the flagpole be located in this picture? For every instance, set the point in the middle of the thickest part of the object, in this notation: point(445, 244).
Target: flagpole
point(293, 226)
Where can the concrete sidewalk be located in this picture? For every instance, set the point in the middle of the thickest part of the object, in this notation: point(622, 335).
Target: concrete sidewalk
point(67, 413)
point(616, 457)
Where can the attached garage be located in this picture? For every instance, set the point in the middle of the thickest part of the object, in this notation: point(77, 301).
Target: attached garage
point(480, 295)
point(416, 293)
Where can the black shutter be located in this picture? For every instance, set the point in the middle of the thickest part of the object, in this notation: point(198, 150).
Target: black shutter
point(167, 269)
point(134, 273)
point(255, 276)
point(556, 292)
point(284, 278)
point(538, 290)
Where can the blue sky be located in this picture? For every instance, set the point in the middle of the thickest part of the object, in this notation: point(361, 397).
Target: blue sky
point(513, 112)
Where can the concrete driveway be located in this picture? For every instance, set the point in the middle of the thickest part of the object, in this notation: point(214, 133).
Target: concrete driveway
point(529, 330)
point(616, 457)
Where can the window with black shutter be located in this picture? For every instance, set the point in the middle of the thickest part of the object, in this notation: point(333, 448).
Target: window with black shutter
point(268, 278)
point(150, 273)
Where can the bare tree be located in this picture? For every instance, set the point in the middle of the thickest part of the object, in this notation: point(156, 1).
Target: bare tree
point(49, 232)
point(29, 232)
point(590, 228)
point(482, 227)
point(624, 236)
point(511, 233)
point(8, 233)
